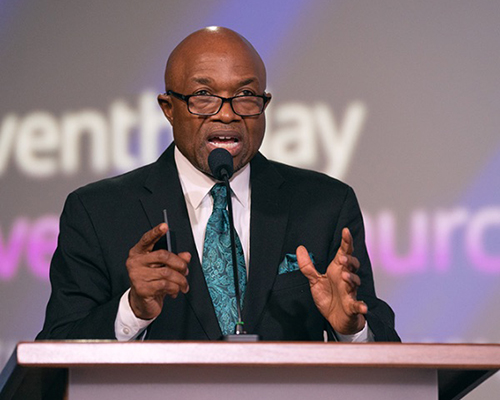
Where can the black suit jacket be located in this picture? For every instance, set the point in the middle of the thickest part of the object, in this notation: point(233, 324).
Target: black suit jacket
point(102, 221)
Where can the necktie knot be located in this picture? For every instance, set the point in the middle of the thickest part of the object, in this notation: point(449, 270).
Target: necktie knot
point(219, 194)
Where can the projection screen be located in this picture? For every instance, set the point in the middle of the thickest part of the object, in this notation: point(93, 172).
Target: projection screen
point(398, 99)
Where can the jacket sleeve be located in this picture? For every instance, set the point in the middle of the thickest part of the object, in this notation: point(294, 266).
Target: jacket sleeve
point(380, 316)
point(82, 304)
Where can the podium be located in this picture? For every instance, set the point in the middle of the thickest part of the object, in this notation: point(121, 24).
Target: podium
point(109, 370)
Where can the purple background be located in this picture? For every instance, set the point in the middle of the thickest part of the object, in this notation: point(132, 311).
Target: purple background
point(400, 100)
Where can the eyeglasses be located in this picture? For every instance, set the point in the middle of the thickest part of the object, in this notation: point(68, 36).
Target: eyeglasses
point(206, 105)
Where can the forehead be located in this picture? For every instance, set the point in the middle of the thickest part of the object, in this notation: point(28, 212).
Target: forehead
point(218, 65)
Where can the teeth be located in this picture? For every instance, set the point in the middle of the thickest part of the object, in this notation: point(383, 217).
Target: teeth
point(225, 144)
point(224, 138)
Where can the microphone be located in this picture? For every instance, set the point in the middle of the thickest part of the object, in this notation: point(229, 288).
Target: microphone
point(220, 162)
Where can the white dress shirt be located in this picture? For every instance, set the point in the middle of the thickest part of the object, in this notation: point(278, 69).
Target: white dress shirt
point(196, 189)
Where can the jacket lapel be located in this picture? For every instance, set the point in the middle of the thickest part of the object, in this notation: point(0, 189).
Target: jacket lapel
point(165, 192)
point(269, 215)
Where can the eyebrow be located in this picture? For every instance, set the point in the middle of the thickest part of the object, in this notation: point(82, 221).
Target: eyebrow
point(248, 81)
point(203, 81)
point(208, 81)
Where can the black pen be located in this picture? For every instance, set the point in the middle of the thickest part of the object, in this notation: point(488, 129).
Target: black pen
point(167, 235)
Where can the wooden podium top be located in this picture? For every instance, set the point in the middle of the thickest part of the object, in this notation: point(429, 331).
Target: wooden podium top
point(397, 355)
point(36, 366)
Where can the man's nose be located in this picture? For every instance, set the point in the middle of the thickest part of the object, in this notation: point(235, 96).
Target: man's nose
point(226, 113)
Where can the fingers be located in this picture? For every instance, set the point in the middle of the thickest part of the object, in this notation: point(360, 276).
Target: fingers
point(172, 274)
point(349, 263)
point(148, 240)
point(350, 266)
point(155, 274)
point(165, 281)
point(358, 307)
point(164, 258)
point(344, 255)
point(347, 243)
point(160, 265)
point(185, 256)
point(148, 291)
point(306, 265)
point(352, 280)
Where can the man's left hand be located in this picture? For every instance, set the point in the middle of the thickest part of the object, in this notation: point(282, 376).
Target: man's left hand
point(334, 293)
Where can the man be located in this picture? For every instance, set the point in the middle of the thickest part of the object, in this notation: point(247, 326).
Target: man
point(112, 276)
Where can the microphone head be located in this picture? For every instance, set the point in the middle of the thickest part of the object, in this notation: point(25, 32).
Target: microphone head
point(220, 162)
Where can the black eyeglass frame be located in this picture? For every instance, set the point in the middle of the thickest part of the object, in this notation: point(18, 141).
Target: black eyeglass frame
point(186, 98)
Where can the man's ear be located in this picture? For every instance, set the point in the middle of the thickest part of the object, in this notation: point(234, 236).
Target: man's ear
point(166, 105)
point(269, 97)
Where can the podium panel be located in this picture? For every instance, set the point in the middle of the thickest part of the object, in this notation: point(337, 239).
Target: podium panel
point(250, 383)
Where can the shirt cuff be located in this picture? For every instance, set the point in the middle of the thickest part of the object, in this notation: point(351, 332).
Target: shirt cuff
point(127, 325)
point(363, 336)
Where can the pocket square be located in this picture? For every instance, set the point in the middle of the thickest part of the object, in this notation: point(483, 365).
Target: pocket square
point(290, 264)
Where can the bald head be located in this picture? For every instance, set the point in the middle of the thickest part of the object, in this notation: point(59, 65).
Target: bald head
point(216, 40)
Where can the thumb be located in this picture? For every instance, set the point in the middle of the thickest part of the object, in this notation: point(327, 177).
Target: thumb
point(306, 265)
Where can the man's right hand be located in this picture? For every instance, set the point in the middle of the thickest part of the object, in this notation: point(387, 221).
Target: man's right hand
point(155, 274)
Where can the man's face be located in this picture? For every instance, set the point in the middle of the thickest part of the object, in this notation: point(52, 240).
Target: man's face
point(225, 70)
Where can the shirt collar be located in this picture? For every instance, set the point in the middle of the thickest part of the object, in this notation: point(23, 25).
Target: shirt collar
point(196, 185)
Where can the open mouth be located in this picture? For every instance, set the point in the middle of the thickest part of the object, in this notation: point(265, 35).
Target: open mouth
point(226, 142)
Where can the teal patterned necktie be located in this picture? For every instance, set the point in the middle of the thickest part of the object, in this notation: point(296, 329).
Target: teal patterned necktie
point(217, 263)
